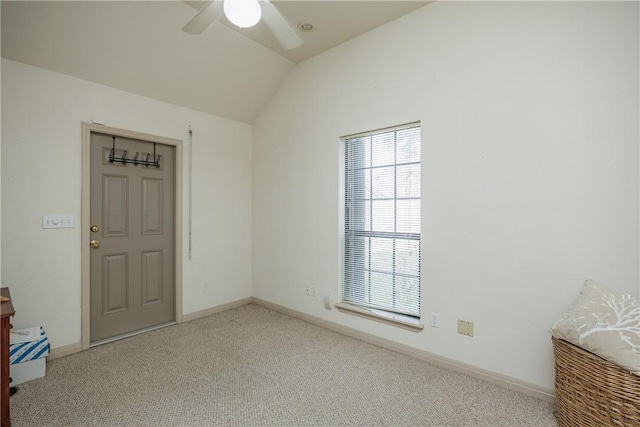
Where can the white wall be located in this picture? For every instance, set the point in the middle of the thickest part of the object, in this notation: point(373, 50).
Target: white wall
point(530, 177)
point(42, 113)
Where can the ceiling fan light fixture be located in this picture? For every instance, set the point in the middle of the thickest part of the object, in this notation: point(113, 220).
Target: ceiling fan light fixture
point(242, 13)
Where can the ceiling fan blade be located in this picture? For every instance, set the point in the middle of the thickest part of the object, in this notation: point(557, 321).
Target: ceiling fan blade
point(205, 17)
point(282, 31)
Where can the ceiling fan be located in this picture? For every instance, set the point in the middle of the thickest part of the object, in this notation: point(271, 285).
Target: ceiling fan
point(244, 14)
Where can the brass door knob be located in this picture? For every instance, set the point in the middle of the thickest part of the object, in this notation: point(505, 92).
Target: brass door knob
point(94, 228)
point(94, 244)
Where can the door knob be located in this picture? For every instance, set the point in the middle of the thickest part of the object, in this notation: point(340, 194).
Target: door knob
point(94, 244)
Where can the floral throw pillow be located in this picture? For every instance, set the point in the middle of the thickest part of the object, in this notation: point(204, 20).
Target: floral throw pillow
point(604, 322)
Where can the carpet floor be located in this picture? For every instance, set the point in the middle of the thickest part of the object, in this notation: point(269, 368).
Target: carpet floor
point(251, 366)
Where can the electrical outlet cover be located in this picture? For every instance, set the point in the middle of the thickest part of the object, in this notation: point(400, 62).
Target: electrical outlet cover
point(435, 320)
point(465, 327)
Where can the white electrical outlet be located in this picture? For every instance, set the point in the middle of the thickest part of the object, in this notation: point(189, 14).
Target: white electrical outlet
point(205, 286)
point(314, 291)
point(307, 291)
point(434, 320)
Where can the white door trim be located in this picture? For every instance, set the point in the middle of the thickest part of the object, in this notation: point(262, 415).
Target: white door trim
point(85, 219)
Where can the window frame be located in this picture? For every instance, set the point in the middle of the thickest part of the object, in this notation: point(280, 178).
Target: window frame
point(387, 314)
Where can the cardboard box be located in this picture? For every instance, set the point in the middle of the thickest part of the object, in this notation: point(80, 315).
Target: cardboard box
point(28, 349)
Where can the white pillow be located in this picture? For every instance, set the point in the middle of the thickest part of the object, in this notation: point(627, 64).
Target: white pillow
point(604, 322)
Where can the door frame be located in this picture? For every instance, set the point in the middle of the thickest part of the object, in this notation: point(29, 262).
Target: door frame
point(87, 129)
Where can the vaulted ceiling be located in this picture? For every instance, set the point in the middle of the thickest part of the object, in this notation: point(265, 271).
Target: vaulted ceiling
point(139, 47)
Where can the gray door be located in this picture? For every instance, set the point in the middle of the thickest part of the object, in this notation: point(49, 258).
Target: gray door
point(132, 254)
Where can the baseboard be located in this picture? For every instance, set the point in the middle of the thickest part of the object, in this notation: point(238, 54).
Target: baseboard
point(70, 349)
point(65, 350)
point(505, 381)
point(492, 377)
point(217, 309)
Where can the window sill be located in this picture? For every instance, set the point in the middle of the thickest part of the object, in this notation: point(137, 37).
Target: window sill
point(392, 319)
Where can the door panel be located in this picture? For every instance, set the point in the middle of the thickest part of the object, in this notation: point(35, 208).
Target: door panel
point(152, 206)
point(132, 270)
point(115, 212)
point(115, 283)
point(152, 269)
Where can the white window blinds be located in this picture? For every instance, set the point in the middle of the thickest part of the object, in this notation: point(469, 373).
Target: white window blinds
point(382, 219)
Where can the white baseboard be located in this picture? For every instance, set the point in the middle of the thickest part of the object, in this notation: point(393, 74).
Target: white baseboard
point(492, 377)
point(217, 309)
point(65, 350)
point(505, 381)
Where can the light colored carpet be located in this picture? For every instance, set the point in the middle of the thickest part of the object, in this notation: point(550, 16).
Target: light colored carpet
point(251, 366)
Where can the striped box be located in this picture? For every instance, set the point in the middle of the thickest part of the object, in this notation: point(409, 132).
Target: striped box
point(28, 359)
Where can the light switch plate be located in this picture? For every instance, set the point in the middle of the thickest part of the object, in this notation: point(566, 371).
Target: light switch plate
point(57, 221)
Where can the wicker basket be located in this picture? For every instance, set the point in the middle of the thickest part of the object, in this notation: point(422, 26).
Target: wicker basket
point(591, 391)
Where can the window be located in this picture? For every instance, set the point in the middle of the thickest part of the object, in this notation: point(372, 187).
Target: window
point(382, 220)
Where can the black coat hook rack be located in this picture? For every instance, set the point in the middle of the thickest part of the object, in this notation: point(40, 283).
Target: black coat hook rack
point(124, 160)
